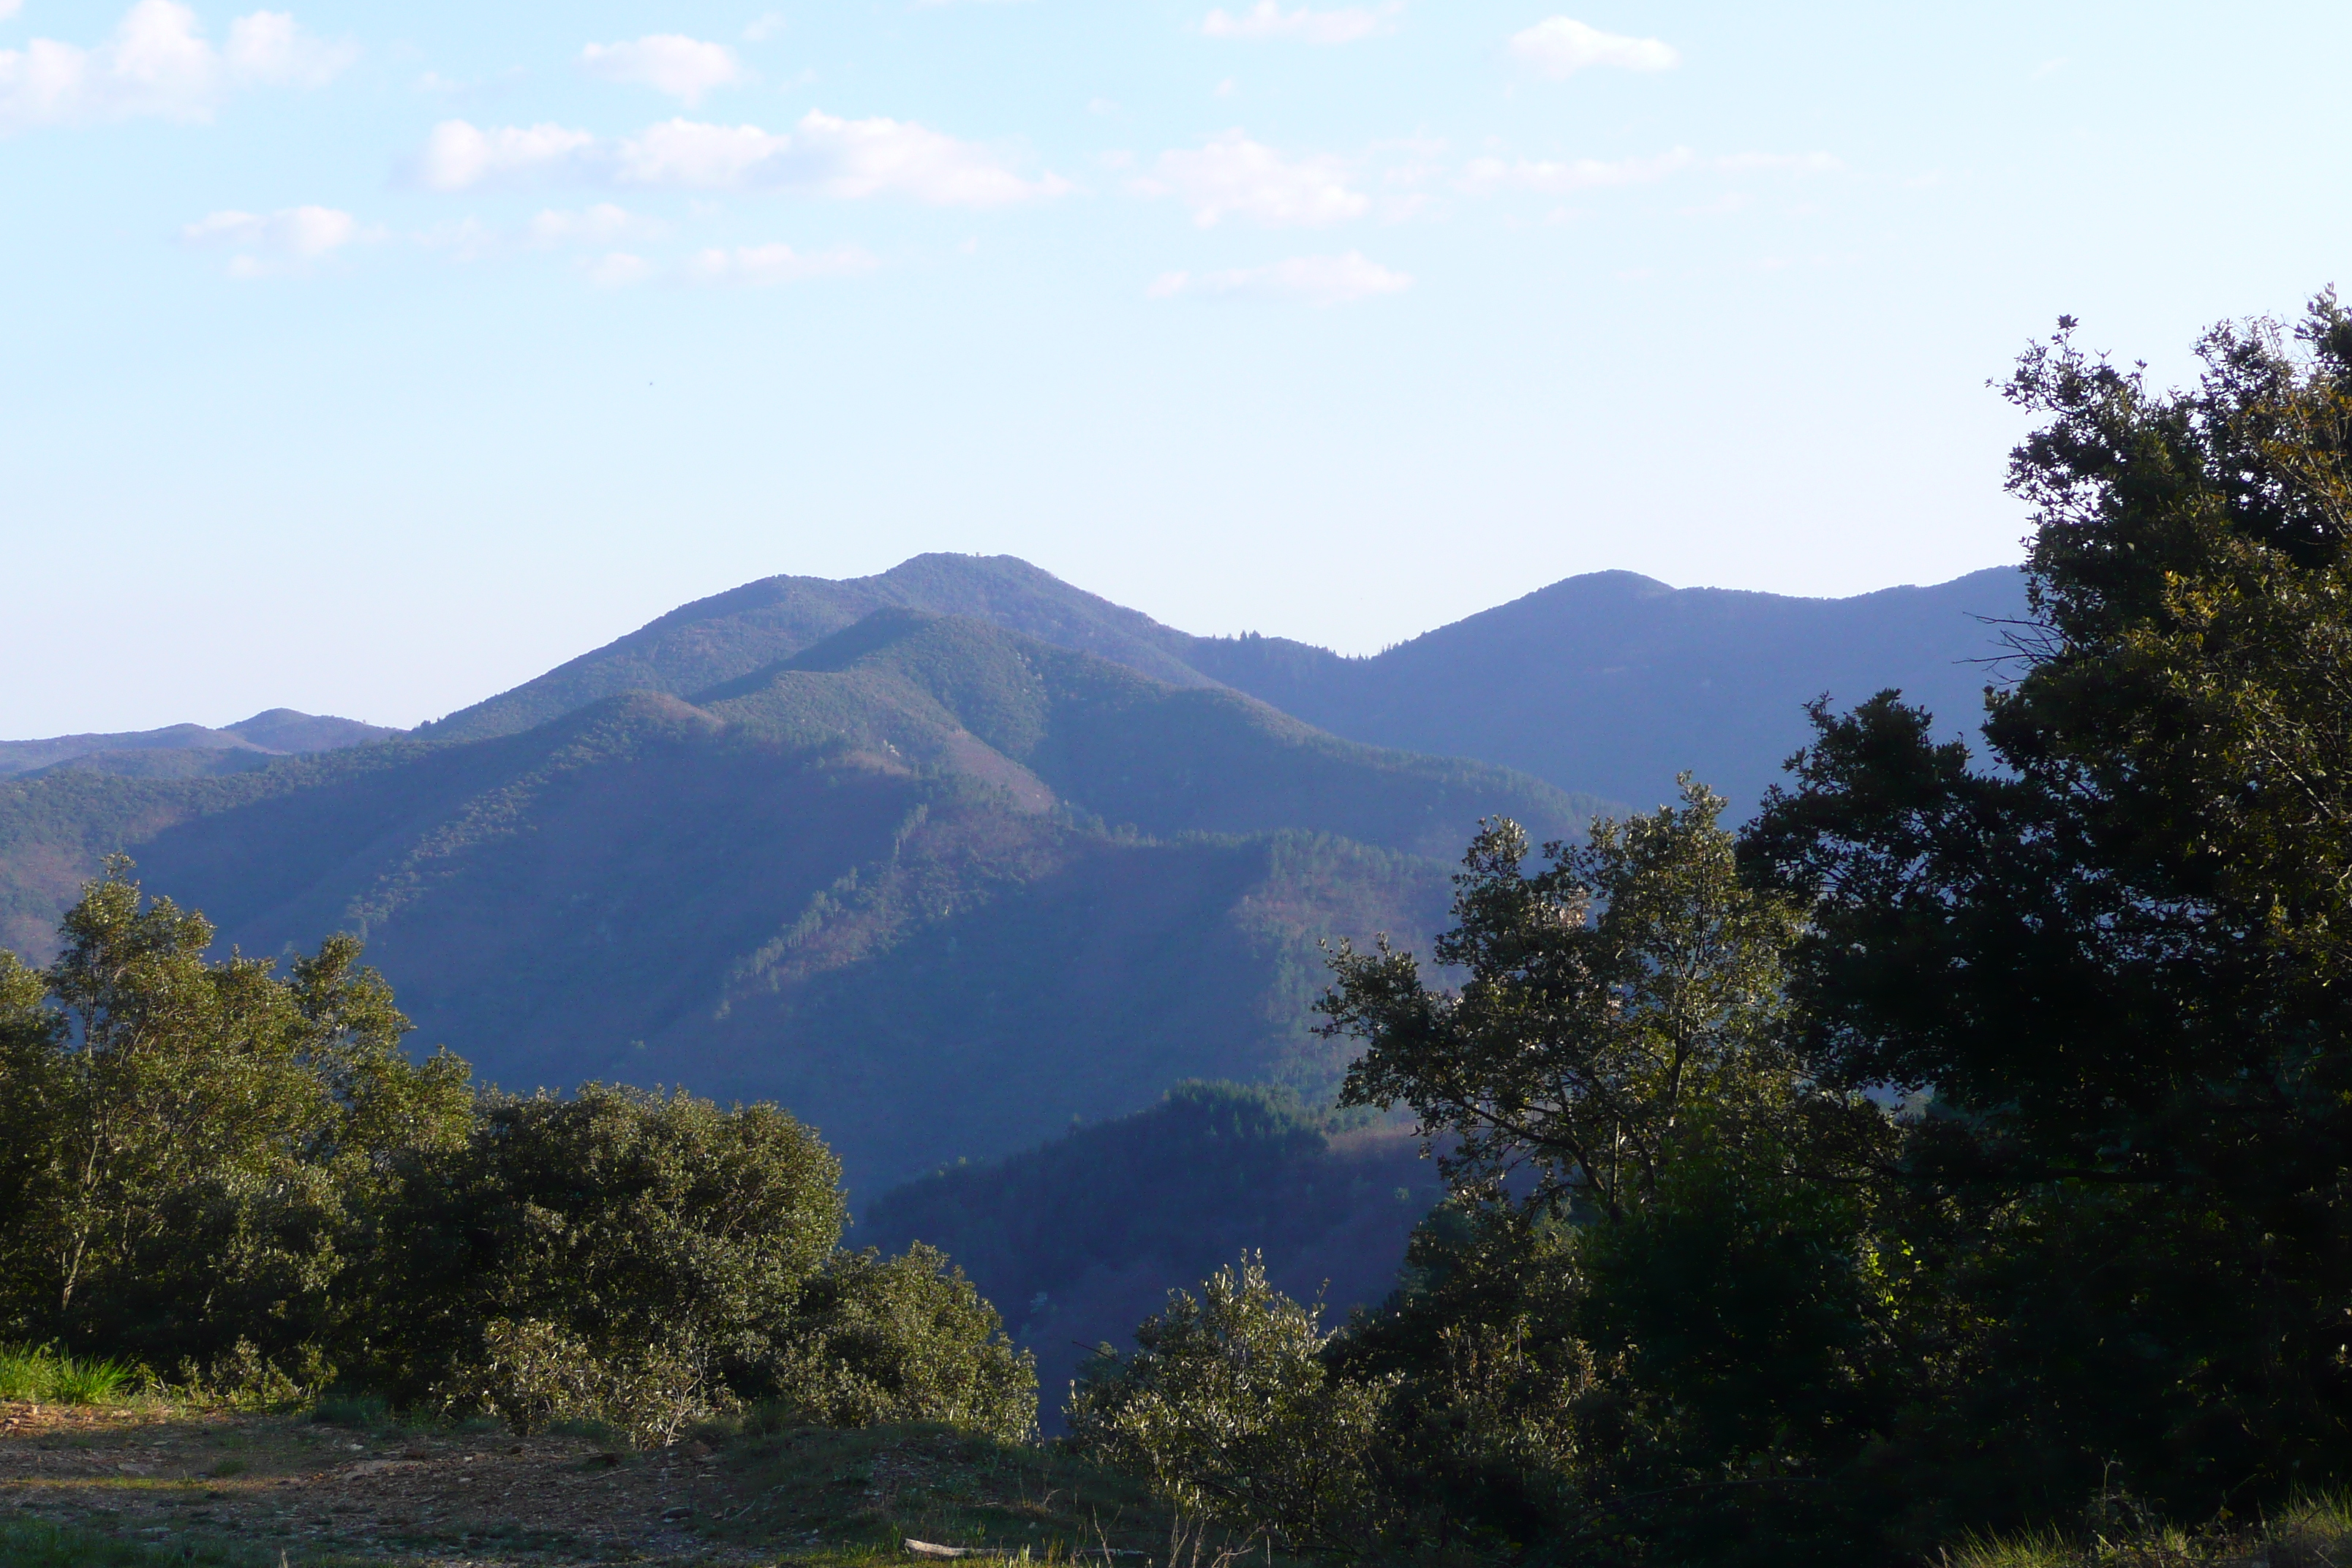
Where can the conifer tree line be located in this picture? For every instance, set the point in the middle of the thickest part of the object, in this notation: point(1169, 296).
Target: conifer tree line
point(1962, 1143)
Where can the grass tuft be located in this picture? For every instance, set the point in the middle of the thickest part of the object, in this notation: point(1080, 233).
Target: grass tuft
point(48, 1376)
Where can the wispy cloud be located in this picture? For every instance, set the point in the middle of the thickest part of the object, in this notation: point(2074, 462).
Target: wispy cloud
point(1559, 47)
point(1555, 178)
point(1232, 176)
point(672, 63)
point(1267, 19)
point(158, 63)
point(1318, 280)
point(459, 155)
point(822, 154)
point(289, 240)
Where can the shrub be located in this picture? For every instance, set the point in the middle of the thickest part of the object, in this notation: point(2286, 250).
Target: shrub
point(659, 1242)
point(1227, 1405)
point(533, 1375)
point(906, 1339)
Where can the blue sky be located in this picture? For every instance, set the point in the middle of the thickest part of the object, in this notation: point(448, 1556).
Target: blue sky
point(368, 358)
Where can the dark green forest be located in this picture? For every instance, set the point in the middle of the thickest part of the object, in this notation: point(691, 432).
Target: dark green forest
point(1951, 1163)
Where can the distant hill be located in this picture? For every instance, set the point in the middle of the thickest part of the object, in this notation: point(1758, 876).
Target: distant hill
point(1079, 1239)
point(1609, 683)
point(187, 750)
point(1617, 682)
point(729, 635)
point(936, 886)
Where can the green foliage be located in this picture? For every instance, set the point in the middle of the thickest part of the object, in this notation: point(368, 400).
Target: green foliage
point(243, 1178)
point(617, 1253)
point(1227, 1405)
point(2117, 958)
point(1614, 1003)
point(189, 1138)
point(904, 1338)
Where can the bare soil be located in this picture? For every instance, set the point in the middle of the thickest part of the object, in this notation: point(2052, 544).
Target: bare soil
point(312, 1491)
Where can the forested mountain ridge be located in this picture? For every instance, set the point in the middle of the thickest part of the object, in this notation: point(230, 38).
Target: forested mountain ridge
point(182, 751)
point(1609, 682)
point(936, 885)
point(709, 641)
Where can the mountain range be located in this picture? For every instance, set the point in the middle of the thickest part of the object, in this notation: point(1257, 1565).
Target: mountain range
point(958, 861)
point(191, 750)
point(1608, 684)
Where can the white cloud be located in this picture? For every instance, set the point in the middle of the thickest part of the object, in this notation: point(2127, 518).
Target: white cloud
point(766, 26)
point(1318, 280)
point(1485, 174)
point(458, 155)
point(673, 63)
point(601, 225)
point(1559, 47)
point(9, 8)
point(1269, 20)
point(283, 241)
point(823, 153)
point(268, 49)
point(157, 62)
point(1235, 176)
point(770, 264)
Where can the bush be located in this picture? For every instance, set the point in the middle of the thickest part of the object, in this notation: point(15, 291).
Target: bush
point(1227, 1405)
point(906, 1339)
point(659, 1242)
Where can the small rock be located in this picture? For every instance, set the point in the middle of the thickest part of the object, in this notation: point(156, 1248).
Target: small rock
point(672, 1514)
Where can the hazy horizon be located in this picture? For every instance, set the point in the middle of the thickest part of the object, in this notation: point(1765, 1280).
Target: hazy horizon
point(223, 720)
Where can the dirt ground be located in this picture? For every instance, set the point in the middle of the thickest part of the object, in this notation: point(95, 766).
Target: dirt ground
point(247, 1489)
point(311, 1490)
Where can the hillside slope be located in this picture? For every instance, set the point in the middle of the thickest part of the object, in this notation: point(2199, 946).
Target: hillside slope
point(936, 885)
point(1078, 1239)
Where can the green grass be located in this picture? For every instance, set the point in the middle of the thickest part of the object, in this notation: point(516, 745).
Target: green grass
point(2314, 1532)
point(49, 1377)
point(34, 1544)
